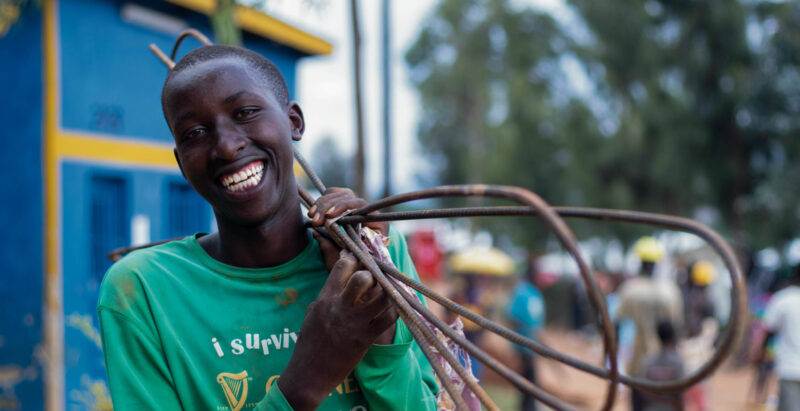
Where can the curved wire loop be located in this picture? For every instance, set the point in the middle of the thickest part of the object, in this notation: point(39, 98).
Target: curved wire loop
point(189, 33)
point(730, 334)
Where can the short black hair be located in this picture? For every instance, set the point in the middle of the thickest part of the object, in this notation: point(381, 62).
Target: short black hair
point(666, 332)
point(270, 75)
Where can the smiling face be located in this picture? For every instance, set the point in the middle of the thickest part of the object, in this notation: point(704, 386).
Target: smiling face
point(233, 139)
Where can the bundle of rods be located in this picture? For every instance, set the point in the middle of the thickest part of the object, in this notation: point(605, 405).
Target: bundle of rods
point(410, 309)
point(416, 315)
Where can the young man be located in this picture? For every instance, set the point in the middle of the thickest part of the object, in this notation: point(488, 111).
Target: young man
point(259, 314)
point(782, 319)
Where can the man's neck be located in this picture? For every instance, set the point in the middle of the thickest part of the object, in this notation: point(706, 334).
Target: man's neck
point(272, 243)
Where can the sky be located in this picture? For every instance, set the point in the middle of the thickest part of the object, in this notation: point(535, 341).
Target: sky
point(325, 82)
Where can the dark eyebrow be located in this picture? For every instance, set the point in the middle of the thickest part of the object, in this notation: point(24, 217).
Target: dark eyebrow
point(183, 117)
point(235, 96)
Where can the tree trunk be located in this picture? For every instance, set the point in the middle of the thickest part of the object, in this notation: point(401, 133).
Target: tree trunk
point(223, 22)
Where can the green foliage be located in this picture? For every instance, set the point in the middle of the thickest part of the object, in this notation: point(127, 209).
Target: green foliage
point(693, 111)
point(223, 21)
point(707, 98)
point(494, 105)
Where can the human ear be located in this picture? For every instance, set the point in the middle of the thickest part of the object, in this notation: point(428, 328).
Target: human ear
point(298, 121)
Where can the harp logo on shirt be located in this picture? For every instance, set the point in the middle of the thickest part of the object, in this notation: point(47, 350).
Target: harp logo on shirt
point(235, 388)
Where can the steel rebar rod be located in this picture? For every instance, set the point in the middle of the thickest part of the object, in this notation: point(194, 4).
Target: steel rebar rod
point(405, 312)
point(730, 334)
point(500, 368)
point(557, 226)
point(426, 341)
point(413, 312)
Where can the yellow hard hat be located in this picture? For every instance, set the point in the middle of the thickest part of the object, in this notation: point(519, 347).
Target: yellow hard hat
point(649, 250)
point(482, 261)
point(702, 273)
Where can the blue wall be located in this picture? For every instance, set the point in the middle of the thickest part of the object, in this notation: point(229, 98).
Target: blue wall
point(142, 192)
point(112, 83)
point(21, 216)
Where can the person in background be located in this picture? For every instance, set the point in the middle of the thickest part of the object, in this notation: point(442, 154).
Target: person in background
point(666, 365)
point(782, 320)
point(526, 312)
point(646, 300)
point(700, 327)
point(698, 304)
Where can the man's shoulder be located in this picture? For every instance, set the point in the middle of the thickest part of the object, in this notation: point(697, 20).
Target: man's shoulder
point(129, 276)
point(788, 297)
point(145, 259)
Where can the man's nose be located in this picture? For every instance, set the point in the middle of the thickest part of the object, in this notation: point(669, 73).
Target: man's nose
point(230, 140)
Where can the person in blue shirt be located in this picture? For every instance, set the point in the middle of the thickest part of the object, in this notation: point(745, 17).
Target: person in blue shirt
point(526, 312)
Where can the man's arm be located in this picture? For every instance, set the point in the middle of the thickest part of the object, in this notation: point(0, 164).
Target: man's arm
point(345, 329)
point(350, 313)
point(138, 376)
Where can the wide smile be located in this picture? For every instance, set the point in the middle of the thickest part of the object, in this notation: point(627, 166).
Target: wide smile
point(245, 180)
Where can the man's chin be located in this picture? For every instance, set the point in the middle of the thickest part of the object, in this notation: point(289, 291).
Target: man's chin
point(248, 218)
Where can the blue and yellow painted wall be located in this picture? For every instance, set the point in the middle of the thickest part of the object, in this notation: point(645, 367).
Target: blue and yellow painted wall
point(87, 167)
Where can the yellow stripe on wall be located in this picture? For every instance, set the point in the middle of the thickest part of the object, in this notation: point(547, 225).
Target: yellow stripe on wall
point(281, 32)
point(97, 148)
point(53, 290)
point(265, 26)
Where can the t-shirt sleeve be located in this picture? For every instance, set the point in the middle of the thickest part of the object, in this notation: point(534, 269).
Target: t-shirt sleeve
point(138, 375)
point(398, 376)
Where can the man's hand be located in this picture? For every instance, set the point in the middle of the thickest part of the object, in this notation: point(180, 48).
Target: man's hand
point(333, 203)
point(349, 315)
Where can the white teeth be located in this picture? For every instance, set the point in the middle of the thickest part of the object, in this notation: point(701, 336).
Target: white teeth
point(242, 177)
point(247, 182)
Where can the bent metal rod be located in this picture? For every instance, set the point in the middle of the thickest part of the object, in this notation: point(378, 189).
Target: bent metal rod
point(344, 231)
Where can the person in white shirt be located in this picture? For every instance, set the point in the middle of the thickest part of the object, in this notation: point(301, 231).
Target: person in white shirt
point(782, 319)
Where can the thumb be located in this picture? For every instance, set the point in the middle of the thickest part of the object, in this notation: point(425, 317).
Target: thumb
point(343, 269)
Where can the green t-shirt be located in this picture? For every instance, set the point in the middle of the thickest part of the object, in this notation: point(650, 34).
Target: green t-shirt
point(182, 330)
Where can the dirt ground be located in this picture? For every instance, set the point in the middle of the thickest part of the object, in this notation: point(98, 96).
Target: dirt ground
point(728, 389)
